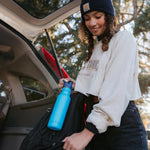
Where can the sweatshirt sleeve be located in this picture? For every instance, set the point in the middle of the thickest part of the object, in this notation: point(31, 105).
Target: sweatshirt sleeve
point(114, 94)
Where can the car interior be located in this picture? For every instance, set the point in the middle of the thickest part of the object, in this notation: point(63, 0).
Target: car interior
point(29, 82)
point(19, 64)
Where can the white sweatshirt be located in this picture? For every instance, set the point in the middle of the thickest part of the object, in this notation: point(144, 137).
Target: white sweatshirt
point(113, 77)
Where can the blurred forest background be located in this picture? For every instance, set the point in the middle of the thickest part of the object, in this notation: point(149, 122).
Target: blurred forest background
point(133, 15)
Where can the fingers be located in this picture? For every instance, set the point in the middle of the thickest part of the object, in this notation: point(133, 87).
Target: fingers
point(78, 141)
point(61, 82)
point(67, 145)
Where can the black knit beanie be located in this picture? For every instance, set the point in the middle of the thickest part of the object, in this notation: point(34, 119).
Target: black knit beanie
point(105, 6)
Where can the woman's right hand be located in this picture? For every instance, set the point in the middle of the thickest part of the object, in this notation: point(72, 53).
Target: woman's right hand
point(61, 82)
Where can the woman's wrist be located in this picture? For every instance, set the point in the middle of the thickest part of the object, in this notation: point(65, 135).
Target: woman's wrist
point(87, 133)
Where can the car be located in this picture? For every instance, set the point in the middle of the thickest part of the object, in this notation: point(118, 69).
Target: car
point(28, 80)
point(28, 76)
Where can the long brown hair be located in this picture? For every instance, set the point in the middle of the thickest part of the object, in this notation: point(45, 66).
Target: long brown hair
point(85, 34)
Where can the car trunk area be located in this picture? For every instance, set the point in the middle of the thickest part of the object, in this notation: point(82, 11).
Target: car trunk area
point(17, 59)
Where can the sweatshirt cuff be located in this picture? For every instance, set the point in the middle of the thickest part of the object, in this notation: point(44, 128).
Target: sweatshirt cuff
point(91, 127)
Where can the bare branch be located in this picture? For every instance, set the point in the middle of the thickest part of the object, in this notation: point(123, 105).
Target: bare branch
point(135, 9)
point(122, 14)
point(126, 22)
point(69, 28)
point(134, 15)
point(141, 7)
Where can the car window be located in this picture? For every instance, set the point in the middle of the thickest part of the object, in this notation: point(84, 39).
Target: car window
point(41, 9)
point(33, 89)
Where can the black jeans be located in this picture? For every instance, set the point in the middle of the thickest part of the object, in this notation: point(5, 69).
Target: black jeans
point(130, 135)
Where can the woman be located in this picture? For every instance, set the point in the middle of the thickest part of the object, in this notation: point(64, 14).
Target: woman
point(110, 78)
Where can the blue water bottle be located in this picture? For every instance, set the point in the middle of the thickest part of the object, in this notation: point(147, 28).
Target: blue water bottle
point(60, 108)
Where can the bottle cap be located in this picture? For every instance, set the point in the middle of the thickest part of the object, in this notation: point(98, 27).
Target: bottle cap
point(68, 84)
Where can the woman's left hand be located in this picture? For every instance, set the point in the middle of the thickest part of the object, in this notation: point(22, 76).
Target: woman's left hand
point(78, 141)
